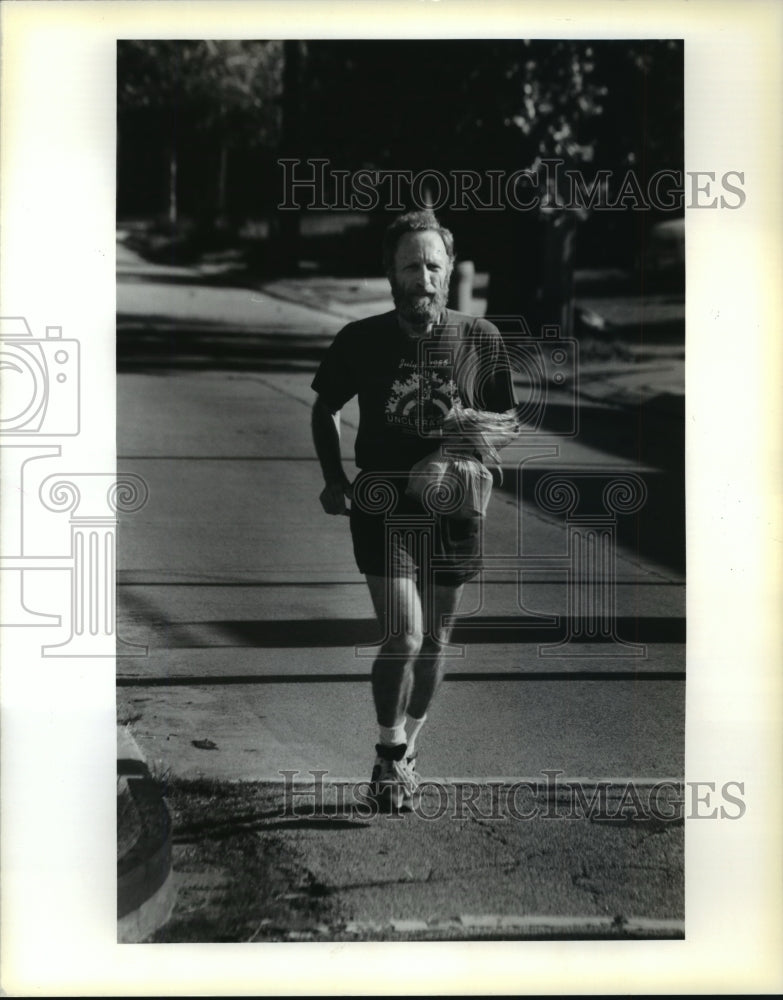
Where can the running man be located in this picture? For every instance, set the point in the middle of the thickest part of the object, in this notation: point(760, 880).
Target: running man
point(409, 368)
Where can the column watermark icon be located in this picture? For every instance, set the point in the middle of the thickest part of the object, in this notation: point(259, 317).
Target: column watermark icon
point(41, 405)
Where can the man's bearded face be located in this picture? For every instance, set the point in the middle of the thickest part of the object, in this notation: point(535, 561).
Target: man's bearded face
point(420, 278)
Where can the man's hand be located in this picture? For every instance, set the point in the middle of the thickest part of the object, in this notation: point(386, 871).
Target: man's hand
point(333, 497)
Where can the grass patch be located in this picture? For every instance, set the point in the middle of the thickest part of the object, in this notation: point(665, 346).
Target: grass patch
point(237, 880)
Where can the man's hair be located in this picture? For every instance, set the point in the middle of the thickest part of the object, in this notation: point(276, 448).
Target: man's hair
point(414, 222)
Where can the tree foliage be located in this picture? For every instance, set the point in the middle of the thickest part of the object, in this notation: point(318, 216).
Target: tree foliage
point(501, 103)
point(230, 89)
point(396, 104)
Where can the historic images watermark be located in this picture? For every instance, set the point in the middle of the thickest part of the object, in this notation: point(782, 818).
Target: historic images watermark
point(312, 795)
point(41, 405)
point(314, 184)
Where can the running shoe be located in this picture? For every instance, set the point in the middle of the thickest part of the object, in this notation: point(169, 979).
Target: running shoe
point(393, 780)
point(410, 763)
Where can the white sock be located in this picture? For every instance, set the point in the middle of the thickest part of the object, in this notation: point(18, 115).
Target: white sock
point(392, 736)
point(413, 727)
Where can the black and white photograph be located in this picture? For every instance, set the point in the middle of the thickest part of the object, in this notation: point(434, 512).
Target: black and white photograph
point(410, 595)
point(437, 286)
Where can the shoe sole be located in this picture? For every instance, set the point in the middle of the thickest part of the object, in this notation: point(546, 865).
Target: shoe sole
point(391, 798)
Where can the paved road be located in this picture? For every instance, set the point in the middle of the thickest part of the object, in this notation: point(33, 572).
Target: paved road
point(260, 634)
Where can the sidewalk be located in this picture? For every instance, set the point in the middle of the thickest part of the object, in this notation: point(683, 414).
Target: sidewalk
point(629, 368)
point(252, 609)
point(632, 366)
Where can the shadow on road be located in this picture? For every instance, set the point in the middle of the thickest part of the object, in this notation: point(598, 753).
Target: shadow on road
point(656, 532)
point(346, 632)
point(160, 345)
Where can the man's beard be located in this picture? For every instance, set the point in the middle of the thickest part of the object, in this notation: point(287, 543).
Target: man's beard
point(419, 309)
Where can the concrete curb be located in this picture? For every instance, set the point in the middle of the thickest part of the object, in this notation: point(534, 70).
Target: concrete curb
point(145, 884)
point(528, 927)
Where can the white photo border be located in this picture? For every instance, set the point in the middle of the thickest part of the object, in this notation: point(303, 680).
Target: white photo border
point(57, 238)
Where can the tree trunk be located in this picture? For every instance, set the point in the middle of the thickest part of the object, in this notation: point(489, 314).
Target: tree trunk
point(173, 212)
point(222, 184)
point(294, 55)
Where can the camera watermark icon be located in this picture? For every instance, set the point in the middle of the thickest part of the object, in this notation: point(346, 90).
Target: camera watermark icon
point(40, 400)
point(545, 371)
point(40, 381)
point(543, 367)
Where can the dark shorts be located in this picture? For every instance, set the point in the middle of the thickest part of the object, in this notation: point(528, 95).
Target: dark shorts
point(409, 542)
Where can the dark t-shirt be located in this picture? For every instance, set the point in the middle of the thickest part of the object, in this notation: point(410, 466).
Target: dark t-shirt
point(407, 386)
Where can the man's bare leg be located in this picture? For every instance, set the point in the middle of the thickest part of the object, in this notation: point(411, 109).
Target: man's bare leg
point(409, 668)
point(430, 662)
point(398, 609)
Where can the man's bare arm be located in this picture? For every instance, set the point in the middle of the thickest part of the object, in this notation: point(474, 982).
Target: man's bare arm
point(325, 423)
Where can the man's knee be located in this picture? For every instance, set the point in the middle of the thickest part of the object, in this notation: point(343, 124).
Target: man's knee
point(406, 644)
point(434, 641)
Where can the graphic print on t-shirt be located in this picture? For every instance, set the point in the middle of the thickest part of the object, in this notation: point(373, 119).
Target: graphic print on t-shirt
point(422, 396)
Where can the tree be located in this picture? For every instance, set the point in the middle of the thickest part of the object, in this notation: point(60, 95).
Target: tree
point(222, 92)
